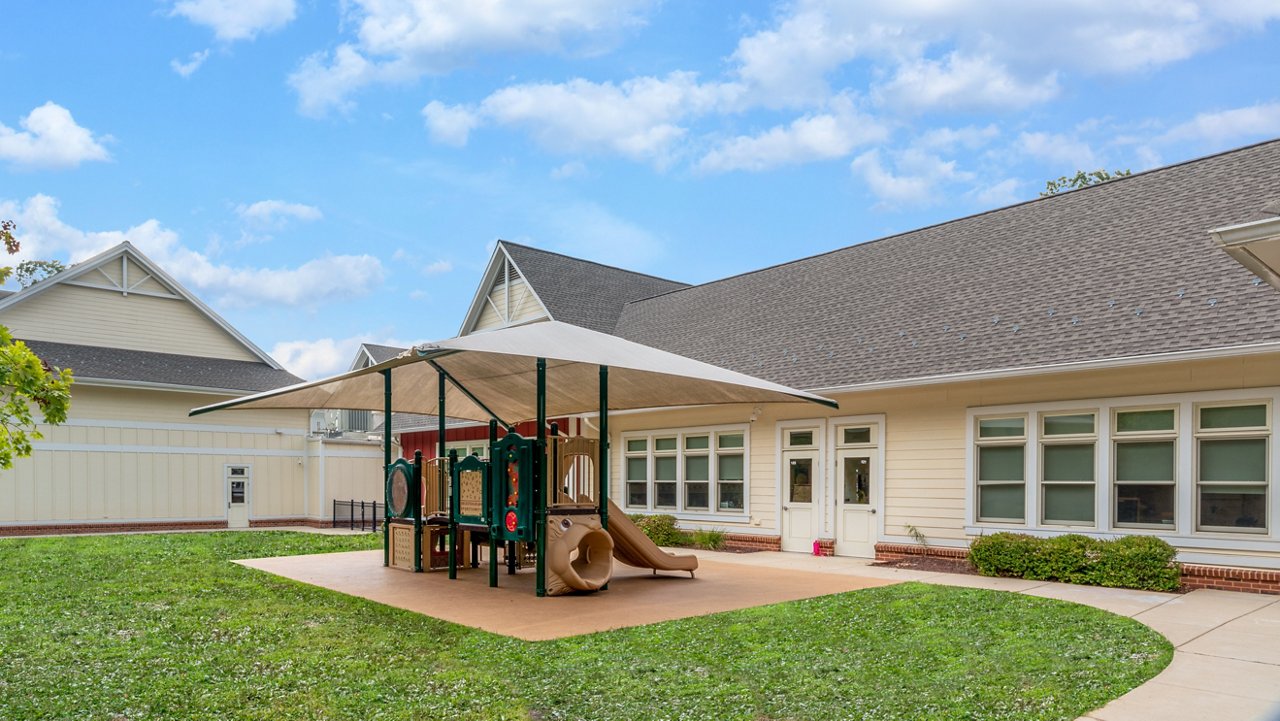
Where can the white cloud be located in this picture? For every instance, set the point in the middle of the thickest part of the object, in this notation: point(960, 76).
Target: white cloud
point(914, 180)
point(50, 138)
point(809, 138)
point(571, 169)
point(1229, 126)
point(1002, 193)
point(587, 230)
point(960, 82)
point(449, 124)
point(277, 213)
point(192, 64)
point(970, 137)
point(1070, 154)
point(43, 234)
point(399, 40)
point(438, 267)
point(237, 19)
point(995, 47)
point(323, 357)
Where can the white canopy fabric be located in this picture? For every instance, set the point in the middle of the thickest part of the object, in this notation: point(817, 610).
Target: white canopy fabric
point(499, 369)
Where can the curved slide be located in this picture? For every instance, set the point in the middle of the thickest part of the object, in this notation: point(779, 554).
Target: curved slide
point(633, 548)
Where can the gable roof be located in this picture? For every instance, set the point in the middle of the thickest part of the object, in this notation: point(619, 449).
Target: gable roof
point(1120, 270)
point(576, 291)
point(127, 249)
point(95, 363)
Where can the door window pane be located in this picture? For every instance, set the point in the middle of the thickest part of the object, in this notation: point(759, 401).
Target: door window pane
point(1002, 427)
point(696, 468)
point(664, 444)
point(800, 481)
point(730, 496)
point(664, 468)
point(637, 469)
point(857, 435)
point(664, 495)
point(1144, 504)
point(1074, 424)
point(1068, 462)
point(1236, 459)
point(1068, 503)
point(1001, 463)
point(237, 491)
point(637, 445)
point(1144, 421)
point(1233, 417)
point(1001, 502)
point(696, 496)
point(695, 443)
point(1149, 461)
point(801, 438)
point(857, 480)
point(637, 494)
point(1233, 506)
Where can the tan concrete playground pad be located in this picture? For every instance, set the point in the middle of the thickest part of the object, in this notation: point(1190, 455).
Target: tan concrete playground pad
point(635, 597)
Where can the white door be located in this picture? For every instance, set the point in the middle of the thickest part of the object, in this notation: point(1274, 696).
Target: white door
point(237, 497)
point(855, 504)
point(800, 520)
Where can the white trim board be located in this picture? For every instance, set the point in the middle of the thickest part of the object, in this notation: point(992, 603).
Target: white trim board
point(193, 451)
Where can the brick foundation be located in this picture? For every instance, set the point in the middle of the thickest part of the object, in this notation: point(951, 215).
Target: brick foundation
point(1226, 578)
point(60, 529)
point(278, 522)
point(899, 551)
point(826, 547)
point(743, 542)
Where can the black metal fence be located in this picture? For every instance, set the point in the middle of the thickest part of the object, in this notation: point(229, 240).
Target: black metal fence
point(358, 515)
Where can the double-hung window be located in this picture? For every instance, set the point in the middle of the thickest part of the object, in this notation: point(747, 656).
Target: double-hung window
point(1068, 442)
point(637, 470)
point(1002, 466)
point(1145, 466)
point(665, 478)
point(730, 476)
point(697, 471)
point(1231, 467)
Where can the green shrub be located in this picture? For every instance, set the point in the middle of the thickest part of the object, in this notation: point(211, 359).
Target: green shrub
point(1141, 562)
point(661, 529)
point(710, 540)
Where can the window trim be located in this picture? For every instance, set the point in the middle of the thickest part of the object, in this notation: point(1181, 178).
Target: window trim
point(1046, 440)
point(1119, 438)
point(979, 442)
point(1263, 432)
point(713, 452)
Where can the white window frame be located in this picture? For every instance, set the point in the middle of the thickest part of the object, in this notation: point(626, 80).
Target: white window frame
point(1065, 439)
point(975, 441)
point(1262, 432)
point(1196, 545)
point(713, 453)
point(1119, 438)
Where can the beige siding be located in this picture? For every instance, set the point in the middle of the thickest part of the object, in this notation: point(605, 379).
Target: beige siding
point(88, 316)
point(496, 313)
point(924, 434)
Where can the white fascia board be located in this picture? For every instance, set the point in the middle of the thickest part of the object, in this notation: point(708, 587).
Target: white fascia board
point(148, 385)
point(1238, 241)
point(482, 290)
point(1099, 364)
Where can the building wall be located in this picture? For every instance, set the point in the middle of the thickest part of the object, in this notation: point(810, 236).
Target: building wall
point(106, 317)
point(523, 306)
point(134, 456)
point(925, 447)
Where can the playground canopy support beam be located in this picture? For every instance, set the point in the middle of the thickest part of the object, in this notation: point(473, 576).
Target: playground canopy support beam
point(603, 464)
point(462, 389)
point(540, 481)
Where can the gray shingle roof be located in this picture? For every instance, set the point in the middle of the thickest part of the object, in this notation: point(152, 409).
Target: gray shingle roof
point(166, 368)
point(382, 353)
point(581, 292)
point(1122, 269)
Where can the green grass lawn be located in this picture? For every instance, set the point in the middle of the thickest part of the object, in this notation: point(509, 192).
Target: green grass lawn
point(162, 626)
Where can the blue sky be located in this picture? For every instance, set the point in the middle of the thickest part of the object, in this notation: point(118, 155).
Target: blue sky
point(325, 173)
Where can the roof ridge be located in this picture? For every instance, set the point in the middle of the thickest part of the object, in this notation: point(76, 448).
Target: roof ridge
point(593, 262)
point(1045, 198)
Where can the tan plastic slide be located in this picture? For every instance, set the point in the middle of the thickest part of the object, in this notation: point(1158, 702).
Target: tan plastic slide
point(633, 548)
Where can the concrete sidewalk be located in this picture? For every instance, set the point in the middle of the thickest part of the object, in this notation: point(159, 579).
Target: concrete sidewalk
point(1226, 660)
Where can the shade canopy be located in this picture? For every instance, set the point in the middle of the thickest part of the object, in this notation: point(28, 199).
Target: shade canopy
point(498, 370)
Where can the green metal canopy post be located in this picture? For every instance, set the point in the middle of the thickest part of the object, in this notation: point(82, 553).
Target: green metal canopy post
point(603, 491)
point(453, 523)
point(386, 464)
point(490, 488)
point(417, 510)
point(540, 481)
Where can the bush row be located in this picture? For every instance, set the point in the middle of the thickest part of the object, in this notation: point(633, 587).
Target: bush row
point(1141, 562)
point(662, 530)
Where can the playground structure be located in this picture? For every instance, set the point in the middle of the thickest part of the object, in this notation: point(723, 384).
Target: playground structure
point(545, 497)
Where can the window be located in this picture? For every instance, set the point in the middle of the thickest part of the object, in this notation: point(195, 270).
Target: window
point(1231, 467)
point(1001, 471)
point(637, 470)
point(696, 471)
point(1067, 448)
point(1145, 467)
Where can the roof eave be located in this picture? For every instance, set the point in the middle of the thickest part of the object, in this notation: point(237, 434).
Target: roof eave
point(1254, 245)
